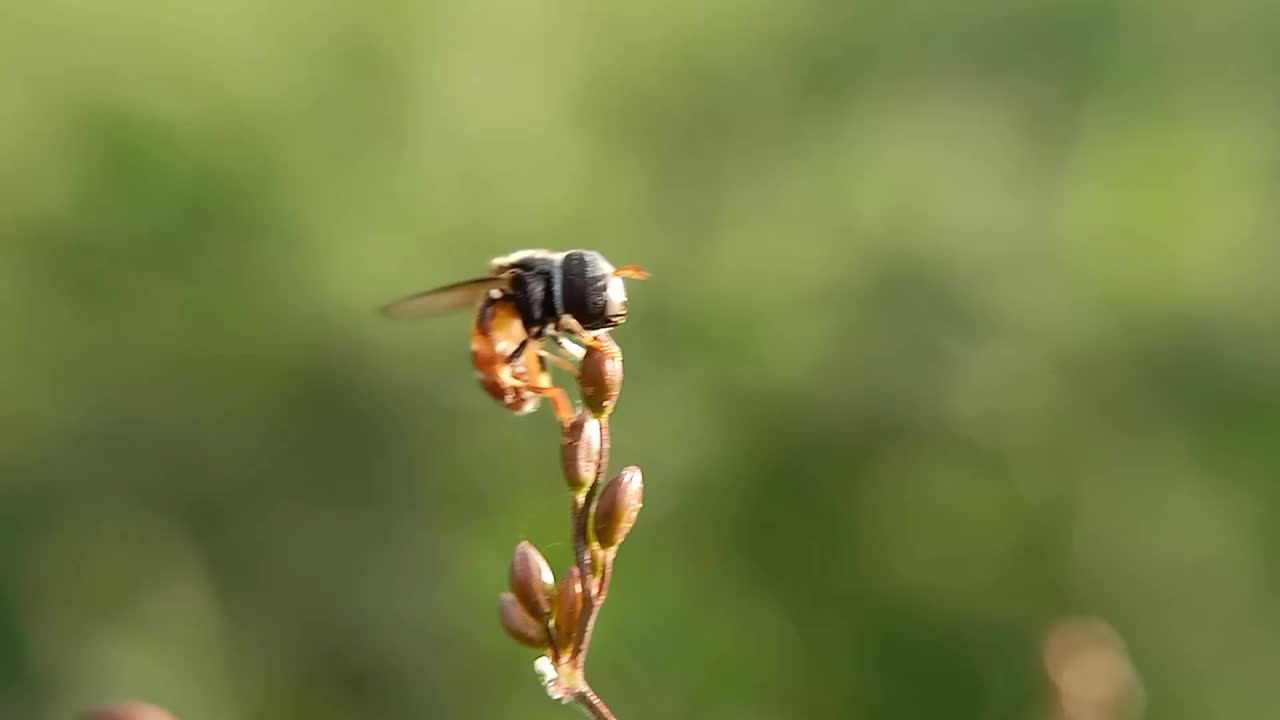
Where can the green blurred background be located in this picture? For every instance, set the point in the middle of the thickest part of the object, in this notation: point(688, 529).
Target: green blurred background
point(963, 320)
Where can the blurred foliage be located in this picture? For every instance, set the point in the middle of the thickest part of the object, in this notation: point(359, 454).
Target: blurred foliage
point(963, 320)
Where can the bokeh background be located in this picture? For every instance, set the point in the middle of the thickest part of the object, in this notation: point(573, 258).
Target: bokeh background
point(963, 322)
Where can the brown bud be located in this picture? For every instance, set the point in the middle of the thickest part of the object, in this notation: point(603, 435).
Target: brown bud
point(600, 375)
point(580, 451)
point(618, 506)
point(1092, 675)
point(532, 581)
point(128, 710)
point(519, 624)
point(568, 608)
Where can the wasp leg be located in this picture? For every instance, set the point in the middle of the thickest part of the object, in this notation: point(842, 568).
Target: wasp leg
point(568, 324)
point(559, 362)
point(566, 344)
point(561, 404)
point(514, 356)
point(577, 351)
point(603, 343)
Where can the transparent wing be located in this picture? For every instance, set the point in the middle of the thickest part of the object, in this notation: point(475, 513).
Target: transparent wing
point(459, 295)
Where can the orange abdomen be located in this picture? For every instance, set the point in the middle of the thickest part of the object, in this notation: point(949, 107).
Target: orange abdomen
point(494, 336)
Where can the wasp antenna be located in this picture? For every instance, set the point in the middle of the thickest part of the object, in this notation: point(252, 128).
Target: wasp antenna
point(635, 272)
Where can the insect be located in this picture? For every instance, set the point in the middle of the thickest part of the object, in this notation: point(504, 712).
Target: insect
point(551, 294)
point(519, 384)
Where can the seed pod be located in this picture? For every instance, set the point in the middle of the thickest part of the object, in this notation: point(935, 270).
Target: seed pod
point(600, 375)
point(618, 506)
point(580, 452)
point(519, 624)
point(568, 608)
point(532, 582)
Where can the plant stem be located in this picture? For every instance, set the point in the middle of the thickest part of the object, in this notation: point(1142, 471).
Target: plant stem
point(589, 616)
point(589, 701)
point(582, 546)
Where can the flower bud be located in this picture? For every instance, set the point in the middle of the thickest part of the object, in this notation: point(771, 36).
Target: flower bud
point(600, 375)
point(519, 624)
point(580, 451)
point(532, 582)
point(568, 608)
point(618, 506)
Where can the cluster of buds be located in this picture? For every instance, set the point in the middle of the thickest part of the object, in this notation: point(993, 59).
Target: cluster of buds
point(557, 618)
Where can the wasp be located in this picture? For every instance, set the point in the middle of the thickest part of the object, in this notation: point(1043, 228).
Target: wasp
point(528, 296)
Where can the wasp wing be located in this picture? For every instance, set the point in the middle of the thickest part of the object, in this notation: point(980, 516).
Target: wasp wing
point(467, 293)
